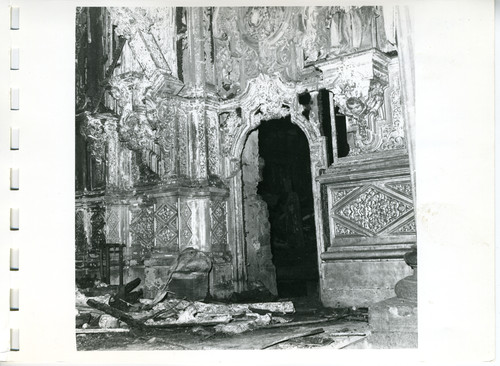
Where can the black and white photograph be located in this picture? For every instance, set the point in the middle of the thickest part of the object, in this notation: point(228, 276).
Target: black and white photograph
point(245, 178)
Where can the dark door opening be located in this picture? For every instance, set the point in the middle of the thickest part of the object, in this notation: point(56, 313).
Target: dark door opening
point(286, 187)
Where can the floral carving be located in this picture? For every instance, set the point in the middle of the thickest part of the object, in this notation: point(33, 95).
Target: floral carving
point(409, 227)
point(341, 230)
point(401, 187)
point(338, 194)
point(373, 210)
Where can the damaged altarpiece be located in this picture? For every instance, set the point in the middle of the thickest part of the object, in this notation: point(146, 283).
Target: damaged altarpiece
point(221, 151)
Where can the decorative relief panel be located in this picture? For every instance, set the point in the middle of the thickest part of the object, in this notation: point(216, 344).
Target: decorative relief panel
point(113, 225)
point(366, 89)
point(202, 141)
point(182, 144)
point(213, 144)
point(98, 237)
point(393, 131)
point(186, 233)
point(341, 230)
point(167, 229)
point(280, 40)
point(373, 209)
point(401, 187)
point(142, 228)
point(230, 123)
point(340, 193)
point(219, 225)
point(369, 210)
point(408, 228)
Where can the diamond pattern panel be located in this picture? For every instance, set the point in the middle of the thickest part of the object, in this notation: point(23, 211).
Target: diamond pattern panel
point(113, 225)
point(186, 232)
point(142, 228)
point(167, 226)
point(373, 210)
point(219, 226)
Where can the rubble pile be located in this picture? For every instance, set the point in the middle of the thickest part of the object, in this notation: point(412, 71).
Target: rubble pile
point(111, 311)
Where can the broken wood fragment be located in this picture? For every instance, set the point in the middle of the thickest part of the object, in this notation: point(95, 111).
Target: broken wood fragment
point(301, 335)
point(120, 315)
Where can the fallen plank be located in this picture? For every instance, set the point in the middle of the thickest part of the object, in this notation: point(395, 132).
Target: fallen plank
point(346, 334)
point(194, 323)
point(102, 330)
point(120, 315)
point(304, 322)
point(306, 334)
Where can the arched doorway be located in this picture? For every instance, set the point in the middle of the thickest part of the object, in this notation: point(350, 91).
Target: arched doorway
point(278, 208)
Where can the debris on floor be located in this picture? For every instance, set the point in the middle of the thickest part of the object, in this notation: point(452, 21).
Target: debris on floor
point(117, 312)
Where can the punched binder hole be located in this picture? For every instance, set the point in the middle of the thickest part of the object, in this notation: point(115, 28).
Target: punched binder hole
point(14, 299)
point(14, 59)
point(14, 259)
point(14, 99)
point(14, 138)
point(14, 179)
point(14, 339)
point(14, 219)
point(14, 18)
